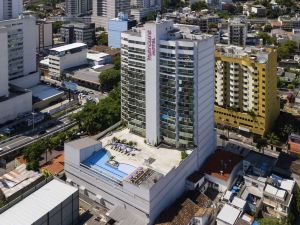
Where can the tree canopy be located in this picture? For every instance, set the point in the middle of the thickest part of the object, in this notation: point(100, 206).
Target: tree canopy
point(109, 79)
point(286, 49)
point(103, 39)
point(94, 118)
point(198, 6)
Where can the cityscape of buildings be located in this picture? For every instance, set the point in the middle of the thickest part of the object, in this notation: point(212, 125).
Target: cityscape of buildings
point(149, 112)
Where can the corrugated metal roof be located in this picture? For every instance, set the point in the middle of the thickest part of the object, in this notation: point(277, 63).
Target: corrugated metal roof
point(36, 205)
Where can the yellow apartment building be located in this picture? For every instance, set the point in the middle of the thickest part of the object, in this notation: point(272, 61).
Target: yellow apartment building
point(246, 88)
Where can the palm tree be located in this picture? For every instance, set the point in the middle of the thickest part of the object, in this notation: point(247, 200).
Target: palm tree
point(272, 138)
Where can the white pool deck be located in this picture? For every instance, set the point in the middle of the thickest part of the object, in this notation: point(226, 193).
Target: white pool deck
point(164, 158)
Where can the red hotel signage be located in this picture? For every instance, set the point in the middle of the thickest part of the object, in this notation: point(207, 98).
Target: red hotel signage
point(151, 45)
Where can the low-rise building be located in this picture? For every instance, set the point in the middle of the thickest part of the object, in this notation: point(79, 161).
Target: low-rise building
point(277, 197)
point(294, 144)
point(256, 168)
point(193, 208)
point(53, 203)
point(228, 215)
point(65, 57)
point(16, 182)
point(259, 10)
point(219, 171)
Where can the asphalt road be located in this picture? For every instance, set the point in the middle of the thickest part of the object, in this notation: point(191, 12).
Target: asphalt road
point(29, 136)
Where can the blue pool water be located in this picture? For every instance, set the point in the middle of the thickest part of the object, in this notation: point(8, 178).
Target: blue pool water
point(98, 162)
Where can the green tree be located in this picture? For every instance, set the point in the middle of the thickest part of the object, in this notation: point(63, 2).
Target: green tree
point(103, 39)
point(286, 49)
point(212, 25)
point(268, 28)
point(290, 86)
point(267, 39)
point(56, 26)
point(117, 62)
point(109, 79)
point(261, 143)
point(272, 138)
point(94, 118)
point(287, 130)
point(269, 221)
point(198, 6)
point(151, 16)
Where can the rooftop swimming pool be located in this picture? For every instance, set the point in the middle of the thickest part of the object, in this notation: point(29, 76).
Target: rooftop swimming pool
point(99, 162)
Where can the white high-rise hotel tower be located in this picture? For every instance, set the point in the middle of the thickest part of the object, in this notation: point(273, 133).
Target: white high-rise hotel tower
point(168, 84)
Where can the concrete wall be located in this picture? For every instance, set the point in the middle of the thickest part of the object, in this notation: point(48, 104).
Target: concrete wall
point(3, 63)
point(29, 49)
point(75, 156)
point(170, 187)
point(9, 109)
point(66, 213)
point(115, 27)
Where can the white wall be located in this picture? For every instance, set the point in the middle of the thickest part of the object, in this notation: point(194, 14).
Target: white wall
point(153, 33)
point(10, 108)
point(3, 63)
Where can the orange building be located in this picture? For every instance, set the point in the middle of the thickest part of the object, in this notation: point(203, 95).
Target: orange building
point(294, 144)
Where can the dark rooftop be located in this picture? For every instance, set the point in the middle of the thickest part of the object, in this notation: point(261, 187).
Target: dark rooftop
point(195, 176)
point(221, 160)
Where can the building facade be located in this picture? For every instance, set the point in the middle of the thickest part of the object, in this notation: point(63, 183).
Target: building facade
point(116, 26)
point(18, 66)
point(245, 88)
point(65, 57)
point(237, 31)
point(44, 38)
point(104, 10)
point(78, 7)
point(21, 47)
point(4, 63)
point(78, 32)
point(10, 9)
point(166, 77)
point(141, 8)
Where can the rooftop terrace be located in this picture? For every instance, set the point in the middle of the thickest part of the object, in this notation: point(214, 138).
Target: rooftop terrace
point(161, 159)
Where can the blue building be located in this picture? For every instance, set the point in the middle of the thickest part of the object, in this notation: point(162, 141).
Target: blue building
point(116, 26)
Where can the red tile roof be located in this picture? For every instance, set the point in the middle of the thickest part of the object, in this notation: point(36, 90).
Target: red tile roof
point(55, 166)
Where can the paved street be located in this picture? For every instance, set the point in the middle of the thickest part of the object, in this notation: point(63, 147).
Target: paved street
point(30, 135)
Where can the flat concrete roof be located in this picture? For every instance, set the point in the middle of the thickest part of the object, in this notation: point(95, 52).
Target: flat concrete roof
point(161, 159)
point(38, 204)
point(228, 214)
point(87, 75)
point(44, 92)
point(83, 143)
point(68, 47)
